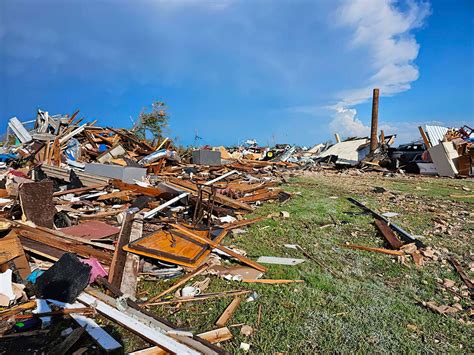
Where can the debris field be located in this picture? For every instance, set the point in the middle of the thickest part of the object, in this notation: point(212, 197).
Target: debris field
point(92, 216)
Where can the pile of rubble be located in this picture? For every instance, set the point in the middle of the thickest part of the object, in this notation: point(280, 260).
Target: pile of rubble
point(86, 211)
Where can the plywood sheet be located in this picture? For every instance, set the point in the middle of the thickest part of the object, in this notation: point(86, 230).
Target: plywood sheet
point(91, 230)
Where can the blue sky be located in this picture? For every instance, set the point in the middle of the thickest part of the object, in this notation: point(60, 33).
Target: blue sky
point(277, 71)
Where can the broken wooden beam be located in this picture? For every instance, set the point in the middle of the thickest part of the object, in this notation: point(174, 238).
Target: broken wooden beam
point(388, 234)
point(467, 281)
point(202, 297)
point(228, 312)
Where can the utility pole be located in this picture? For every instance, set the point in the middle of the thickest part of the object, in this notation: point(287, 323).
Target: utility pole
point(375, 119)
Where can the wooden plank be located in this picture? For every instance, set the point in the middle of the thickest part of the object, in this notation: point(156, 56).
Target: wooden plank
point(376, 250)
point(136, 327)
point(17, 309)
point(10, 248)
point(425, 138)
point(100, 215)
point(147, 191)
point(122, 195)
point(388, 234)
point(63, 244)
point(61, 234)
point(242, 223)
point(202, 297)
point(118, 260)
point(213, 244)
point(219, 198)
point(57, 152)
point(216, 335)
point(181, 282)
point(80, 189)
point(45, 251)
point(262, 196)
point(228, 312)
point(130, 271)
point(467, 281)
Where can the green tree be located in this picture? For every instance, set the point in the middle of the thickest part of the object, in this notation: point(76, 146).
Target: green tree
point(150, 123)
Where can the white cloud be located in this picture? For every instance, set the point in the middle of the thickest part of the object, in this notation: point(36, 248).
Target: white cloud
point(346, 123)
point(384, 30)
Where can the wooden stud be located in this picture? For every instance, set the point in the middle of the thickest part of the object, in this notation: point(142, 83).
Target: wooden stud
point(388, 234)
point(228, 312)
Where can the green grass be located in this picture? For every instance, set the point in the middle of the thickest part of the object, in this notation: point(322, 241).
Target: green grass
point(359, 301)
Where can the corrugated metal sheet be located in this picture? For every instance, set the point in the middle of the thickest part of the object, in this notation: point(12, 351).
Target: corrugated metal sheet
point(348, 152)
point(435, 133)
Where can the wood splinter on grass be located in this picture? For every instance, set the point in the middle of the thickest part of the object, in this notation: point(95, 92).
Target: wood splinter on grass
point(228, 312)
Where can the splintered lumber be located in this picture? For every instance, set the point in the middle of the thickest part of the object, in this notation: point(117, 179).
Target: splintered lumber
point(147, 191)
point(425, 137)
point(137, 327)
point(202, 297)
point(270, 281)
point(213, 244)
point(119, 258)
point(376, 250)
point(242, 223)
point(79, 190)
point(12, 251)
point(216, 335)
point(102, 214)
point(121, 195)
point(18, 309)
point(129, 281)
point(67, 245)
point(262, 196)
point(219, 198)
point(181, 282)
point(388, 234)
point(228, 312)
point(462, 274)
point(45, 251)
point(61, 234)
point(62, 312)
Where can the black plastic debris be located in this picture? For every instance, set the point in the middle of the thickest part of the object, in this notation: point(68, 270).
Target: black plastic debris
point(65, 280)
